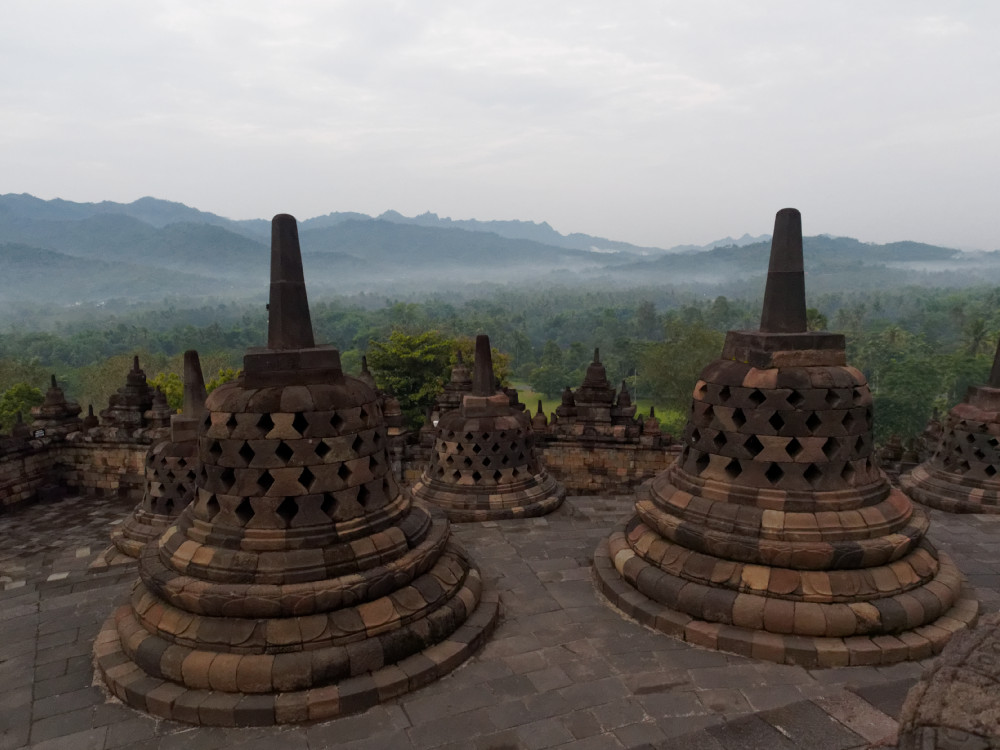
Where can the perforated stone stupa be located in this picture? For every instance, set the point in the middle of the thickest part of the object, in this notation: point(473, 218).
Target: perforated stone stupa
point(301, 583)
point(483, 465)
point(127, 408)
point(171, 469)
point(775, 535)
point(963, 473)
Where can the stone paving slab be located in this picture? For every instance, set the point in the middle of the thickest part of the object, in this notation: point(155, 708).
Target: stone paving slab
point(563, 669)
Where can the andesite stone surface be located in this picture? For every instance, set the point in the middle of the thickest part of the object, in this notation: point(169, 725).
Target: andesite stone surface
point(962, 475)
point(775, 534)
point(171, 469)
point(483, 465)
point(301, 583)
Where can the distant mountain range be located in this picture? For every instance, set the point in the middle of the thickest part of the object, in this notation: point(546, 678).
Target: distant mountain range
point(65, 253)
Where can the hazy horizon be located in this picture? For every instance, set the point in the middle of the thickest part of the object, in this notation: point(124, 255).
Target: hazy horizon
point(654, 123)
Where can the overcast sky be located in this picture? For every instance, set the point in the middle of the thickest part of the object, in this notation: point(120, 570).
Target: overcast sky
point(657, 122)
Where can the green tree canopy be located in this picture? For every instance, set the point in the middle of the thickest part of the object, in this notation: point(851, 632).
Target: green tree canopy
point(20, 397)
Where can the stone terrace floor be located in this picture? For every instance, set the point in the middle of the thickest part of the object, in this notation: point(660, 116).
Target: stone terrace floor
point(563, 668)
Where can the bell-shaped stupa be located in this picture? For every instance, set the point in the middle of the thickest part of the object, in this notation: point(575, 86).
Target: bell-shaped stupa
point(301, 583)
point(171, 469)
point(483, 465)
point(775, 535)
point(963, 473)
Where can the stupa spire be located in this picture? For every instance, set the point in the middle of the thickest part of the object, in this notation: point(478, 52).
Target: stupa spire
point(289, 325)
point(194, 386)
point(483, 382)
point(785, 294)
point(994, 381)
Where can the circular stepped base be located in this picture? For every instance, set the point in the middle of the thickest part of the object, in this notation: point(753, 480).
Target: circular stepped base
point(207, 707)
point(936, 489)
point(805, 651)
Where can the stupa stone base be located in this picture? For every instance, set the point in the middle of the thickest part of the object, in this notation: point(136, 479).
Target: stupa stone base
point(540, 495)
point(634, 587)
point(936, 488)
point(155, 652)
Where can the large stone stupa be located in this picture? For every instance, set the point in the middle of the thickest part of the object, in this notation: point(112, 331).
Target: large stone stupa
point(963, 473)
point(171, 469)
point(301, 583)
point(483, 465)
point(775, 535)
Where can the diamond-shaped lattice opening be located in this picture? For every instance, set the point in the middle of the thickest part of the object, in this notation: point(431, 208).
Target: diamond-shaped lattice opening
point(459, 448)
point(211, 507)
point(469, 436)
point(830, 447)
point(362, 414)
point(336, 421)
point(497, 476)
point(720, 440)
point(440, 471)
point(286, 510)
point(793, 448)
point(450, 460)
point(774, 473)
point(329, 505)
point(363, 496)
point(343, 472)
point(456, 475)
point(358, 444)
point(733, 469)
point(702, 463)
point(306, 478)
point(486, 461)
point(190, 476)
point(776, 421)
point(520, 456)
point(170, 476)
point(372, 462)
point(228, 478)
point(739, 418)
point(832, 397)
point(208, 419)
point(813, 422)
point(181, 462)
point(265, 480)
point(322, 449)
point(476, 476)
point(502, 435)
point(724, 394)
point(231, 422)
point(300, 423)
point(848, 421)
point(856, 396)
point(812, 473)
point(284, 451)
point(708, 414)
point(847, 473)
point(970, 438)
point(964, 466)
point(495, 447)
point(244, 512)
point(476, 449)
point(794, 399)
point(265, 423)
point(859, 444)
point(377, 437)
point(514, 472)
point(505, 460)
point(990, 470)
point(695, 435)
point(215, 448)
point(756, 397)
point(702, 389)
point(467, 461)
point(753, 445)
point(993, 442)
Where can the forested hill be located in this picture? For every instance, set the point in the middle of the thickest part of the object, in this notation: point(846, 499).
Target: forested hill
point(69, 253)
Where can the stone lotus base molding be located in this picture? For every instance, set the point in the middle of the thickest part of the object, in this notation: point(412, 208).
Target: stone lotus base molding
point(643, 592)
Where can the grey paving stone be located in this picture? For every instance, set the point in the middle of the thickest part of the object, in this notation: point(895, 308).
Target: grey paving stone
point(750, 733)
point(89, 739)
point(61, 724)
point(525, 710)
point(886, 697)
point(512, 686)
point(15, 737)
point(807, 725)
point(594, 693)
point(473, 724)
point(421, 709)
point(729, 701)
point(543, 733)
point(598, 742)
point(66, 702)
point(375, 721)
point(128, 733)
point(619, 712)
point(551, 678)
point(660, 705)
point(582, 724)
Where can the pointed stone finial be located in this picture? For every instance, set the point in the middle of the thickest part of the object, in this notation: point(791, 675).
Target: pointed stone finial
point(194, 386)
point(135, 363)
point(785, 294)
point(482, 373)
point(364, 365)
point(288, 325)
point(458, 357)
point(540, 407)
point(53, 381)
point(597, 356)
point(995, 370)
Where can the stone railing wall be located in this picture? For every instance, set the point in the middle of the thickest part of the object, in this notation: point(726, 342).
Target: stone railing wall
point(28, 470)
point(599, 468)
